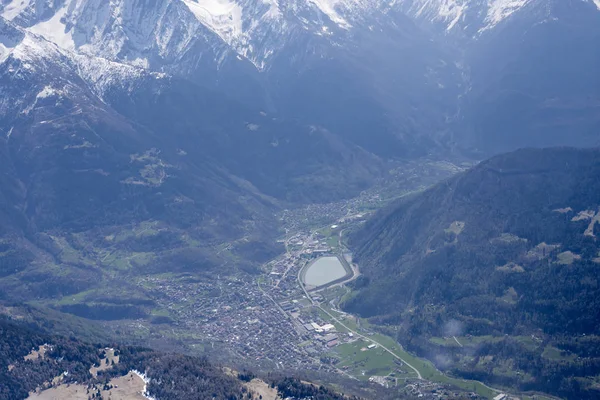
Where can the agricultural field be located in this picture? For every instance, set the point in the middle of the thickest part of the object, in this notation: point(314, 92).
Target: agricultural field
point(362, 362)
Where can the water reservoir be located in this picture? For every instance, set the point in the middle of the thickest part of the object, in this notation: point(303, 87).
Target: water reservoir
point(323, 271)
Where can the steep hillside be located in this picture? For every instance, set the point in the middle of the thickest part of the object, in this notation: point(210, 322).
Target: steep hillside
point(381, 70)
point(529, 67)
point(73, 165)
point(508, 247)
point(38, 365)
point(35, 363)
point(532, 79)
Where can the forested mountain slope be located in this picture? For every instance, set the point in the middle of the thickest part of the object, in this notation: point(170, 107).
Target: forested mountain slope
point(34, 362)
point(508, 247)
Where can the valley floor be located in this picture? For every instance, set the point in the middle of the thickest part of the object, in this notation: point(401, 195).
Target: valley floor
point(270, 321)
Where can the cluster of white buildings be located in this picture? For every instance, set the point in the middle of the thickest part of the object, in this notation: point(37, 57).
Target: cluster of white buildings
point(322, 329)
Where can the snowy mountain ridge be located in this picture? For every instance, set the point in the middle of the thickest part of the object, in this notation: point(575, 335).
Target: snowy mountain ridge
point(41, 72)
point(261, 53)
point(276, 54)
point(476, 16)
point(158, 33)
point(453, 12)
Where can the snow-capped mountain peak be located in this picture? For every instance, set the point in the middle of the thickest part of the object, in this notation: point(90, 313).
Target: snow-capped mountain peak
point(158, 33)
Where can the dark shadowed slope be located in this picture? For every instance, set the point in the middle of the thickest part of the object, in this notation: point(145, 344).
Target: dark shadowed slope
point(508, 247)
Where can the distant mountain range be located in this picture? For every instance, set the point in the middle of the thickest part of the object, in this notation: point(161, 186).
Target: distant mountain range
point(509, 247)
point(396, 78)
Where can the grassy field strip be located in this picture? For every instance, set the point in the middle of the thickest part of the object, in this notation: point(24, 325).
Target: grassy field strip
point(430, 372)
point(423, 368)
point(372, 341)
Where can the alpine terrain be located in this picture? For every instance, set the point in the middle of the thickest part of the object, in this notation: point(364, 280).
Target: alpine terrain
point(171, 169)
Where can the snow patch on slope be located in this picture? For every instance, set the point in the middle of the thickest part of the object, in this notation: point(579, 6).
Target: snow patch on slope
point(146, 380)
point(460, 14)
point(328, 7)
point(32, 49)
point(14, 9)
point(55, 30)
point(37, 54)
point(499, 10)
point(102, 74)
point(274, 10)
point(48, 91)
point(224, 17)
point(448, 10)
point(4, 52)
